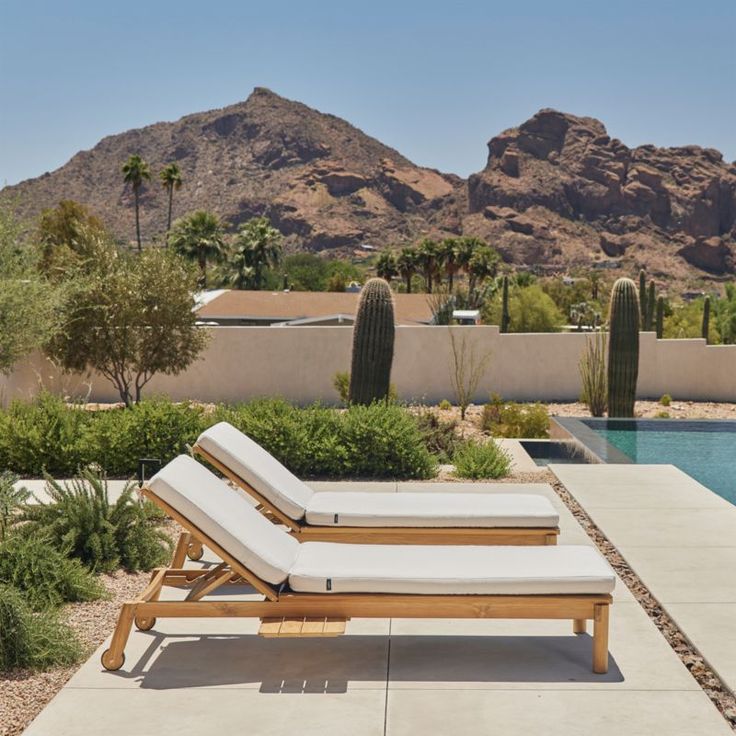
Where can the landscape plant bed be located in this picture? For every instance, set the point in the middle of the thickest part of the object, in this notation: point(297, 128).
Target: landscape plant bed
point(25, 693)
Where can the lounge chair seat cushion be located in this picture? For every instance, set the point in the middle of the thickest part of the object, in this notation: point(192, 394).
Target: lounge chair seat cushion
point(258, 468)
point(326, 567)
point(431, 510)
point(226, 517)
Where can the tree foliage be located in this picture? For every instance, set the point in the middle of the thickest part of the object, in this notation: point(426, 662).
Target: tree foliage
point(200, 237)
point(530, 309)
point(27, 302)
point(257, 248)
point(129, 318)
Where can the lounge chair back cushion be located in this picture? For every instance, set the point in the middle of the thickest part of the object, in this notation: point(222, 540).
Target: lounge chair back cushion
point(258, 468)
point(227, 518)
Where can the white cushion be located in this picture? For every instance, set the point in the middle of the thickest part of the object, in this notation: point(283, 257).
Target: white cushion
point(226, 517)
point(261, 470)
point(431, 510)
point(441, 570)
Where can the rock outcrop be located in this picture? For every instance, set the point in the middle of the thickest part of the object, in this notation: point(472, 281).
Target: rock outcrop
point(665, 208)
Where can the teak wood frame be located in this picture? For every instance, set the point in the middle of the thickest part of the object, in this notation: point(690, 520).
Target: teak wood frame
point(287, 604)
point(380, 535)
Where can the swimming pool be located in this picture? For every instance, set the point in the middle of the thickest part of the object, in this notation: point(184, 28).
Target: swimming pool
point(704, 449)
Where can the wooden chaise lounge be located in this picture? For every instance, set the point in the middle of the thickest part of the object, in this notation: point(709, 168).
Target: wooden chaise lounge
point(379, 518)
point(312, 588)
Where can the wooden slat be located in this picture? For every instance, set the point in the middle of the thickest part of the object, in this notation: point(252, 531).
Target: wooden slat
point(298, 627)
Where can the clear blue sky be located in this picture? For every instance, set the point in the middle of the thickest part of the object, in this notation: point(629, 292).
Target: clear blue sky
point(434, 80)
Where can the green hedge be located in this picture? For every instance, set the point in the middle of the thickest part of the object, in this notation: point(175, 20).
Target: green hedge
point(378, 441)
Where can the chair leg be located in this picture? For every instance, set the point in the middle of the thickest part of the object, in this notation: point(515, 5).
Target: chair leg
point(600, 639)
point(579, 626)
point(114, 657)
point(180, 551)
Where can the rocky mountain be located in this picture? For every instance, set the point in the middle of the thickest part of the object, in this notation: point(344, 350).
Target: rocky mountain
point(557, 192)
point(317, 177)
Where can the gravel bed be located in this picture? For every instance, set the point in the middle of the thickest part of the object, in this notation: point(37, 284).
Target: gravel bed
point(25, 693)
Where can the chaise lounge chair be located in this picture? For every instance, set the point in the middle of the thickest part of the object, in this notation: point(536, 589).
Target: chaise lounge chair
point(378, 518)
point(313, 588)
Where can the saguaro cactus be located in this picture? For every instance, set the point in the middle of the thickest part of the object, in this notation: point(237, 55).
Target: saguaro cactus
point(373, 343)
point(642, 298)
point(706, 319)
point(505, 317)
point(651, 299)
point(623, 349)
point(660, 317)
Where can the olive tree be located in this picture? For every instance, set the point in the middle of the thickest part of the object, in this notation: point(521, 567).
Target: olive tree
point(26, 301)
point(129, 317)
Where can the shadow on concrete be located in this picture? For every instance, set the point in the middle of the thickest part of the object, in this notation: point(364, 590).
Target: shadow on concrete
point(328, 665)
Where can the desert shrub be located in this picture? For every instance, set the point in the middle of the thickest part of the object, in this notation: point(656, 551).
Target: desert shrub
point(311, 441)
point(383, 441)
point(45, 576)
point(34, 640)
point(445, 405)
point(12, 500)
point(530, 309)
point(665, 400)
point(440, 435)
point(478, 460)
point(510, 419)
point(341, 382)
point(81, 520)
point(42, 435)
point(662, 415)
point(305, 440)
point(156, 428)
point(593, 376)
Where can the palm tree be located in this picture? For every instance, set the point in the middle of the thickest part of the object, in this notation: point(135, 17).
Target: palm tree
point(450, 252)
point(242, 270)
point(170, 177)
point(386, 267)
point(135, 172)
point(257, 247)
point(200, 237)
point(406, 265)
point(428, 260)
point(483, 265)
point(464, 249)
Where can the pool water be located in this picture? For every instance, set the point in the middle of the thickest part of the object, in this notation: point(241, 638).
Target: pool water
point(705, 450)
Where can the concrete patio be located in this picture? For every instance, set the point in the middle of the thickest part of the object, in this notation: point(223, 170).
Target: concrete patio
point(397, 677)
point(679, 537)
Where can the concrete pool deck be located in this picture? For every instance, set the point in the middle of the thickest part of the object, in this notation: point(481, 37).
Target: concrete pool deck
point(680, 539)
point(390, 677)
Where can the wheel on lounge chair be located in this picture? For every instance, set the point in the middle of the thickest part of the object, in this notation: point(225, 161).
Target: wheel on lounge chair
point(112, 664)
point(145, 623)
point(195, 550)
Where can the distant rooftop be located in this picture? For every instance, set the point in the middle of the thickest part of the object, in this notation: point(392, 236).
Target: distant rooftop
point(307, 307)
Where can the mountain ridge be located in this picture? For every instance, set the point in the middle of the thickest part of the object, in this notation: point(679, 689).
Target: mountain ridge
point(557, 192)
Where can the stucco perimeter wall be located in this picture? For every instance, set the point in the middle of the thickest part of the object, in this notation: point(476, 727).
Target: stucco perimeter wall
point(299, 363)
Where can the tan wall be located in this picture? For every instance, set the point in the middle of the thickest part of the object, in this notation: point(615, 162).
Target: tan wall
point(299, 363)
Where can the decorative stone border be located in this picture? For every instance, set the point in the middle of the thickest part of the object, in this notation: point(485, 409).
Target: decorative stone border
point(709, 681)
